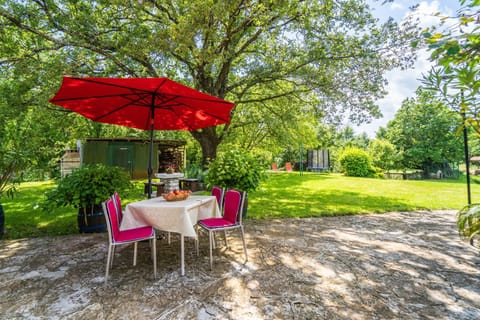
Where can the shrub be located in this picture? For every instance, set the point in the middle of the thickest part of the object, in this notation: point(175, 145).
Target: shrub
point(235, 169)
point(356, 163)
point(88, 186)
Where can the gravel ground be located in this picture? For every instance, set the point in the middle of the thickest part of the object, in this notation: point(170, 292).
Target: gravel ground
point(399, 265)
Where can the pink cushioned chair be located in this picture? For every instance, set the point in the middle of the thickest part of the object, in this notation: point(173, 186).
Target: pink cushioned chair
point(118, 206)
point(119, 237)
point(218, 193)
point(232, 219)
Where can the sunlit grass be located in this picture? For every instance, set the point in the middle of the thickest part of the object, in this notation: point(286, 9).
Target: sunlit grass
point(24, 217)
point(313, 194)
point(282, 195)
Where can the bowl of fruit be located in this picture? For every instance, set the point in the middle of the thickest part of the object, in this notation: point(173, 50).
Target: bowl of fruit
point(176, 195)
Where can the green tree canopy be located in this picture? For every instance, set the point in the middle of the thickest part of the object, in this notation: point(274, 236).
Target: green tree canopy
point(424, 131)
point(382, 153)
point(269, 57)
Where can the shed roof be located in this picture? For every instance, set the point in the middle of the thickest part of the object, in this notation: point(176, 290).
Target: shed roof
point(164, 142)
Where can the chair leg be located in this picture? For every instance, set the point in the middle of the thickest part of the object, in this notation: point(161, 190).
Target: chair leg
point(210, 244)
point(135, 253)
point(107, 268)
point(111, 256)
point(154, 252)
point(197, 240)
point(225, 235)
point(244, 246)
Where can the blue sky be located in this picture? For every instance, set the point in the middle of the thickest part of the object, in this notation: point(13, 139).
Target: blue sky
point(402, 84)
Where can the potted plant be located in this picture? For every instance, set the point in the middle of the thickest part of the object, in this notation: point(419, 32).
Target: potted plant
point(86, 188)
point(236, 169)
point(170, 168)
point(468, 222)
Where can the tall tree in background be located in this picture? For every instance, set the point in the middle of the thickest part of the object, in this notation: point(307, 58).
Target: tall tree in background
point(324, 56)
point(424, 131)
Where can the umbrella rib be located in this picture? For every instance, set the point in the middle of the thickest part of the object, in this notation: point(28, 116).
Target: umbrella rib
point(121, 107)
point(170, 107)
point(109, 84)
point(125, 95)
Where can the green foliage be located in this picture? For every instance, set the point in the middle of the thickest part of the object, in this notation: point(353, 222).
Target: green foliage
point(468, 221)
point(382, 153)
point(7, 182)
point(424, 132)
point(456, 52)
point(236, 169)
point(88, 186)
point(356, 162)
point(284, 63)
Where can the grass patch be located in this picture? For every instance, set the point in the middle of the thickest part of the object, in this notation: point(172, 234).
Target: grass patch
point(25, 219)
point(284, 195)
point(313, 195)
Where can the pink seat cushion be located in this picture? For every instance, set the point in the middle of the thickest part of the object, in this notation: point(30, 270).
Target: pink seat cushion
point(133, 234)
point(213, 223)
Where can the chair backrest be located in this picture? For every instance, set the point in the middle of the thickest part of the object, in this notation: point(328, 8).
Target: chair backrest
point(274, 166)
point(111, 217)
point(118, 206)
point(232, 206)
point(218, 193)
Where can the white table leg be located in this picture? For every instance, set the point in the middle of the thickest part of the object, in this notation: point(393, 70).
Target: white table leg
point(182, 254)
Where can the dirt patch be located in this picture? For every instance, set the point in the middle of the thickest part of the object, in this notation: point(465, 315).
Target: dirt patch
point(390, 266)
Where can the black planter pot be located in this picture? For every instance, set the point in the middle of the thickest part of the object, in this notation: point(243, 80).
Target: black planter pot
point(91, 220)
point(2, 222)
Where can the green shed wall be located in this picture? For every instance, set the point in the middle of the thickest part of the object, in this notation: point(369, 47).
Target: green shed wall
point(98, 152)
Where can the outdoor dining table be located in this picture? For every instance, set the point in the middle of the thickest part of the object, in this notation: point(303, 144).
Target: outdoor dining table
point(172, 216)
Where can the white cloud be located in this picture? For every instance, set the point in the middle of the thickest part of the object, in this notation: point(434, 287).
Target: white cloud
point(396, 6)
point(403, 83)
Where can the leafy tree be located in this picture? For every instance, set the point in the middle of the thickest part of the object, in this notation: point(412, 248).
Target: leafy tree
point(382, 153)
point(424, 132)
point(326, 56)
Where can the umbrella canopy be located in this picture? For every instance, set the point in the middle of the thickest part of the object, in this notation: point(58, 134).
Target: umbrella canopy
point(142, 103)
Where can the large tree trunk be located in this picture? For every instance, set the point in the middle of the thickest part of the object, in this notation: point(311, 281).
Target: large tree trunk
point(209, 142)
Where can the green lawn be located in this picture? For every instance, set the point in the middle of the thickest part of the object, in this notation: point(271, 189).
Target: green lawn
point(283, 195)
point(292, 195)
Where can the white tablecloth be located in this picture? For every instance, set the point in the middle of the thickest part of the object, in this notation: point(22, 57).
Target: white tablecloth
point(172, 216)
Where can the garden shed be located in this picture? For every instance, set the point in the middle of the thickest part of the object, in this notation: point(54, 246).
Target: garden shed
point(132, 154)
point(69, 161)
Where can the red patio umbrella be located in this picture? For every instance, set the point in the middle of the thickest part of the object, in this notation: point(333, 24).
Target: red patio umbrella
point(143, 103)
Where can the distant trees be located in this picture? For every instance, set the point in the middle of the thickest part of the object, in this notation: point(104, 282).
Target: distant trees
point(424, 133)
point(383, 154)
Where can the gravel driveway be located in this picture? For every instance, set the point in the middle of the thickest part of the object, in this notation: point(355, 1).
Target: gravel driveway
point(400, 265)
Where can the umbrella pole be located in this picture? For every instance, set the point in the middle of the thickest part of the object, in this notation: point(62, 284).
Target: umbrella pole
point(150, 151)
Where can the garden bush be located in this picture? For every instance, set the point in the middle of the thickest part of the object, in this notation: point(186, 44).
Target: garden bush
point(356, 162)
point(236, 169)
